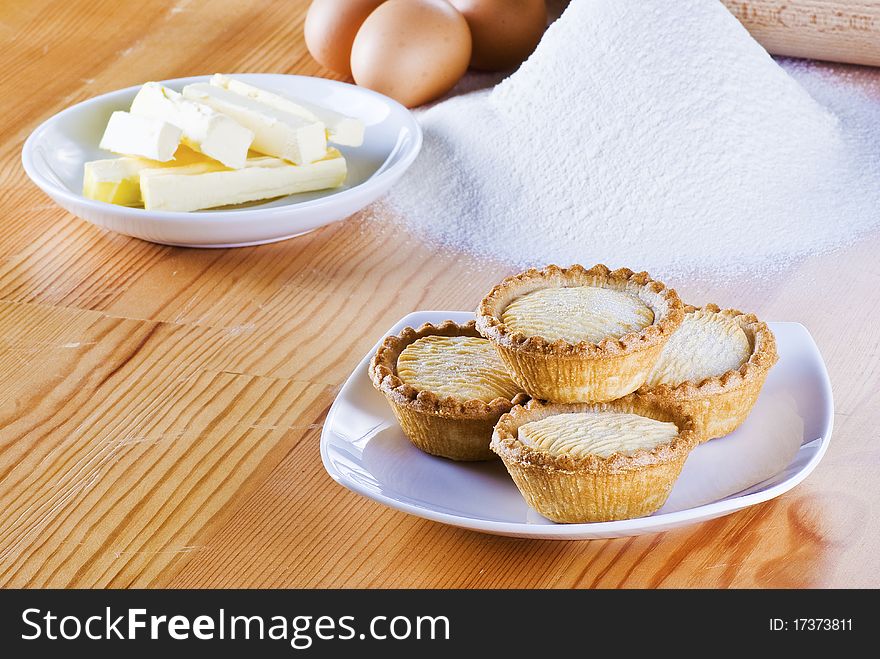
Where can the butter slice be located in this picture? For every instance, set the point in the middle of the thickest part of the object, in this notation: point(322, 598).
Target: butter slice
point(276, 132)
point(341, 129)
point(216, 135)
point(117, 180)
point(208, 185)
point(133, 135)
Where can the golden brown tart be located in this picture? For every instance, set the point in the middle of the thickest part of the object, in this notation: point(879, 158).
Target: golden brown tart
point(714, 366)
point(595, 462)
point(579, 335)
point(446, 386)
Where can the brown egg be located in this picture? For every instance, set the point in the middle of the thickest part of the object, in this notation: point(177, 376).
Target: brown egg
point(505, 32)
point(330, 29)
point(411, 50)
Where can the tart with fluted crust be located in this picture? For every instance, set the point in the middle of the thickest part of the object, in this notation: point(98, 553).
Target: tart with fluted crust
point(714, 366)
point(447, 387)
point(595, 462)
point(579, 335)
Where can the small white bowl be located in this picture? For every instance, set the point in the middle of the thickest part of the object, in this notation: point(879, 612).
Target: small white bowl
point(54, 154)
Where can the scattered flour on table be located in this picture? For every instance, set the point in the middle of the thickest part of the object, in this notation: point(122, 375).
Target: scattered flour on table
point(652, 135)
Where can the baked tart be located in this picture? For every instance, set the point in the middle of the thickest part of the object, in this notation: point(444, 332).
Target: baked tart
point(579, 335)
point(447, 387)
point(714, 366)
point(595, 462)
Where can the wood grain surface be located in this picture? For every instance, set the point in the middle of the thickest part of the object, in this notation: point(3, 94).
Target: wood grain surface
point(160, 408)
point(836, 30)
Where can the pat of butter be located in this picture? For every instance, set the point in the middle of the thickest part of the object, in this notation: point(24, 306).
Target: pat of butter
point(341, 129)
point(214, 134)
point(117, 180)
point(208, 185)
point(276, 132)
point(133, 135)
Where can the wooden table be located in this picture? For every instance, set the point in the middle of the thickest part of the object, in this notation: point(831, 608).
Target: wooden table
point(161, 408)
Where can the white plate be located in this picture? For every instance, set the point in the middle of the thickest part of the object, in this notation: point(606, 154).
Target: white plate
point(780, 443)
point(54, 154)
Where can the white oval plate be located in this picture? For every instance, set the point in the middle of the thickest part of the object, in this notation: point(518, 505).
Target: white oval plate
point(781, 442)
point(54, 154)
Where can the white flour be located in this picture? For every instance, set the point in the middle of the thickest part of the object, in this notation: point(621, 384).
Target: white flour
point(654, 135)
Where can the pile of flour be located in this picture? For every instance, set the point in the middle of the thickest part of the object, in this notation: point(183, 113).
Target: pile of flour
point(652, 135)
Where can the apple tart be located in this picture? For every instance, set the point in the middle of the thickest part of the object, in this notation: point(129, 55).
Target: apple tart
point(595, 462)
point(447, 387)
point(579, 335)
point(714, 366)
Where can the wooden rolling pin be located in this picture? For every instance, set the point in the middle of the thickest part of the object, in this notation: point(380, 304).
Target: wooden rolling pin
point(835, 30)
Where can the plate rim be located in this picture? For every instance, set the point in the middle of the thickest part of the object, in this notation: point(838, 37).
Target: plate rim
point(641, 525)
point(52, 189)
